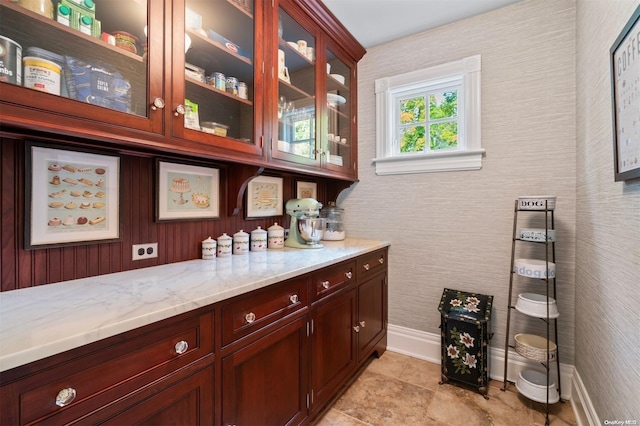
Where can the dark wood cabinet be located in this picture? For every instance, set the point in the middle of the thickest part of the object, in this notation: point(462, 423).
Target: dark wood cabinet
point(372, 314)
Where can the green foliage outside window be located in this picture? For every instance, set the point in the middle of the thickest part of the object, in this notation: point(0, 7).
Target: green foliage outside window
point(443, 133)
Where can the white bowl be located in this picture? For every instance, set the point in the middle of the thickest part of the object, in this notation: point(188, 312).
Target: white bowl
point(535, 305)
point(335, 100)
point(339, 78)
point(537, 202)
point(534, 347)
point(533, 234)
point(533, 385)
point(534, 268)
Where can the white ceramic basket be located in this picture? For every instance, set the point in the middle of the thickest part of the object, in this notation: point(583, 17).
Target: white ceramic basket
point(534, 268)
point(534, 347)
point(537, 202)
point(537, 235)
point(533, 385)
point(535, 305)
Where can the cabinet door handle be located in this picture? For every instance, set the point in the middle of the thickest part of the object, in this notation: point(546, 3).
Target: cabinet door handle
point(180, 110)
point(348, 275)
point(325, 284)
point(250, 317)
point(362, 324)
point(356, 329)
point(158, 103)
point(366, 266)
point(181, 347)
point(381, 260)
point(65, 397)
point(294, 298)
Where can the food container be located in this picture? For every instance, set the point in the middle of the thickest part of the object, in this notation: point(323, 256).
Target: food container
point(243, 91)
point(258, 239)
point(535, 305)
point(11, 61)
point(534, 347)
point(534, 268)
point(126, 41)
point(41, 73)
point(334, 225)
point(533, 385)
point(537, 202)
point(538, 235)
point(275, 236)
point(41, 7)
point(215, 128)
point(240, 242)
point(209, 249)
point(219, 81)
point(232, 86)
point(194, 72)
point(224, 245)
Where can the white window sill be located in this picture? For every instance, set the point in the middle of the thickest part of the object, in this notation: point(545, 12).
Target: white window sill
point(446, 161)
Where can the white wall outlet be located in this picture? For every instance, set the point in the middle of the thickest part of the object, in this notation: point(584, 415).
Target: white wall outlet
point(144, 251)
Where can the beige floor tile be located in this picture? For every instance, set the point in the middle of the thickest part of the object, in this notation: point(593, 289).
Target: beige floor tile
point(421, 373)
point(390, 364)
point(334, 417)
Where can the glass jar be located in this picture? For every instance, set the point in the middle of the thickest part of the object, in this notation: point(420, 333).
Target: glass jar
point(41, 7)
point(334, 224)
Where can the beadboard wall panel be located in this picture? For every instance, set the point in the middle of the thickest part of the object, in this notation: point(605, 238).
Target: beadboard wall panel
point(453, 229)
point(608, 228)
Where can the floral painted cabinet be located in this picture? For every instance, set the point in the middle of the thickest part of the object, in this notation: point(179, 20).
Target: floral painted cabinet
point(465, 334)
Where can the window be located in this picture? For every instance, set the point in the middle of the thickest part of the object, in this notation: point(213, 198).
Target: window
point(429, 120)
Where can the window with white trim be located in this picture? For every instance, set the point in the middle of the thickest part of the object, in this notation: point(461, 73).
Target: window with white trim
point(429, 120)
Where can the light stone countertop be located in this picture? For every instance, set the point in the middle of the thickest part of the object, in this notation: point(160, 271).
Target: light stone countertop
point(41, 321)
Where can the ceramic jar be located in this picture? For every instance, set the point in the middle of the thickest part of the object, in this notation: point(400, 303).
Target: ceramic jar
point(240, 242)
point(275, 236)
point(209, 249)
point(258, 239)
point(224, 245)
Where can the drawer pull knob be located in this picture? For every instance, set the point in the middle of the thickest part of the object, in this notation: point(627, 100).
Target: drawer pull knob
point(65, 397)
point(294, 298)
point(362, 324)
point(356, 329)
point(325, 284)
point(158, 103)
point(381, 260)
point(366, 266)
point(180, 110)
point(348, 275)
point(181, 347)
point(250, 317)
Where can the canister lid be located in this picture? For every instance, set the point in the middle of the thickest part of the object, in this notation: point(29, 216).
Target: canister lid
point(275, 227)
point(224, 236)
point(258, 230)
point(241, 233)
point(44, 54)
point(208, 240)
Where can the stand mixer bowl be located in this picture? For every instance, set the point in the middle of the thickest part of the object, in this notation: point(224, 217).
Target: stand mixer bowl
point(311, 229)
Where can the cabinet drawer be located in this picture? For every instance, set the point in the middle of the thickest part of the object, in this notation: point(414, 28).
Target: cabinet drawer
point(372, 263)
point(249, 314)
point(84, 384)
point(333, 279)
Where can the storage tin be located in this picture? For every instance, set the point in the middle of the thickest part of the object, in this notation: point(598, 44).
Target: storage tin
point(10, 61)
point(219, 81)
point(243, 90)
point(209, 249)
point(232, 85)
point(240, 242)
point(275, 236)
point(258, 239)
point(224, 245)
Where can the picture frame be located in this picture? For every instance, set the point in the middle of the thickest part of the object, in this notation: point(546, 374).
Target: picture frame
point(72, 196)
point(187, 192)
point(264, 197)
point(625, 90)
point(306, 189)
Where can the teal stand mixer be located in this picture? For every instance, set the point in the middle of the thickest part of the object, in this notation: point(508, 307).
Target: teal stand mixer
point(306, 227)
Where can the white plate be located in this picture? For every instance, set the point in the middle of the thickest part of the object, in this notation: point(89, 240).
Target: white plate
point(337, 77)
point(334, 99)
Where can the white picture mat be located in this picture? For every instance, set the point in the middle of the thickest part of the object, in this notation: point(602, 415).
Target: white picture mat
point(264, 197)
point(210, 178)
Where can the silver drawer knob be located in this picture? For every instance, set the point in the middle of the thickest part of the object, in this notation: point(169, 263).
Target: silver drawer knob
point(366, 266)
point(250, 317)
point(181, 347)
point(294, 298)
point(158, 103)
point(180, 110)
point(65, 397)
point(325, 284)
point(348, 275)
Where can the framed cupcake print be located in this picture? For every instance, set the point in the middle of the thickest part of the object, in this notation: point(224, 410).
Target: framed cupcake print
point(72, 197)
point(264, 197)
point(187, 192)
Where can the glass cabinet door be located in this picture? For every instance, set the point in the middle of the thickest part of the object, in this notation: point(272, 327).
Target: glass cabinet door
point(92, 53)
point(219, 97)
point(339, 122)
point(296, 95)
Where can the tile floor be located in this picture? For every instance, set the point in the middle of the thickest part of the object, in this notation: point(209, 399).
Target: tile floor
point(398, 390)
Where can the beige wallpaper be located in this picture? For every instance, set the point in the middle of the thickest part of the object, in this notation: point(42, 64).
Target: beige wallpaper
point(453, 229)
point(608, 228)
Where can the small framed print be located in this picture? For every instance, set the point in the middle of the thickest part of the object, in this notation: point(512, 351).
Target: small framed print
point(264, 197)
point(187, 192)
point(306, 190)
point(72, 197)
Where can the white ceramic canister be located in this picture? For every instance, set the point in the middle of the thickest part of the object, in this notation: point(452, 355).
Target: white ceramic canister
point(224, 245)
point(258, 239)
point(240, 242)
point(209, 249)
point(275, 236)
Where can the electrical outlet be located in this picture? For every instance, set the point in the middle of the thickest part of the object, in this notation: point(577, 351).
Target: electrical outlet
point(144, 251)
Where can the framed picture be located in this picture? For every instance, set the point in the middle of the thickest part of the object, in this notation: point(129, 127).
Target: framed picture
point(625, 85)
point(264, 197)
point(72, 197)
point(187, 192)
point(306, 189)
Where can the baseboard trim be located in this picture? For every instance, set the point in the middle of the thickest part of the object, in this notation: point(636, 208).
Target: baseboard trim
point(426, 346)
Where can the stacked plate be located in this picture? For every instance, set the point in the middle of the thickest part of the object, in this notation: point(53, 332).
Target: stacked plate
point(535, 305)
point(533, 385)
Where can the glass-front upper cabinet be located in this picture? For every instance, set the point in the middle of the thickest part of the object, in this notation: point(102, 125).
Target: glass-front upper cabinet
point(340, 123)
point(296, 93)
point(217, 101)
point(89, 59)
